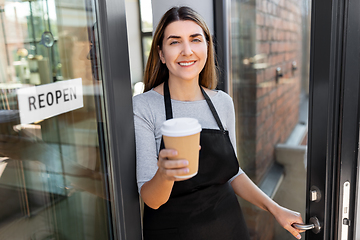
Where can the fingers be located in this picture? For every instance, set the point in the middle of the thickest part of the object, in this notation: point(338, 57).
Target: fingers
point(286, 218)
point(295, 232)
point(167, 153)
point(169, 168)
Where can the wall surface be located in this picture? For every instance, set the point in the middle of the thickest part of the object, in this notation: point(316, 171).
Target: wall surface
point(203, 7)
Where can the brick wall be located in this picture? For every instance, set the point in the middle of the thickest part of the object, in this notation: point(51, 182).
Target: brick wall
point(279, 36)
point(267, 107)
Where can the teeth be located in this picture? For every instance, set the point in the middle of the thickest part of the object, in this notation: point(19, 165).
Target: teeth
point(186, 64)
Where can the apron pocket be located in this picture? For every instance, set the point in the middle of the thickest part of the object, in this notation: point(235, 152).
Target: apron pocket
point(161, 234)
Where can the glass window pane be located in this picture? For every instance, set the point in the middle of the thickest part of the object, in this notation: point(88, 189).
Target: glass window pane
point(53, 156)
point(16, 21)
point(146, 16)
point(266, 35)
point(146, 46)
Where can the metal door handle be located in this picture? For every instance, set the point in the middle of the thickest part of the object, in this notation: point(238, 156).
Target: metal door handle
point(301, 226)
point(314, 225)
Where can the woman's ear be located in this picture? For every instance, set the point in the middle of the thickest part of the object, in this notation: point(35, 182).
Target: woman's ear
point(161, 55)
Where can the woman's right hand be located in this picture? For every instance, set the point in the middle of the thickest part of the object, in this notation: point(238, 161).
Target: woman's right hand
point(157, 191)
point(169, 168)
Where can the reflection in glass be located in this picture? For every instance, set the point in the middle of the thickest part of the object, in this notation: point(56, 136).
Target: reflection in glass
point(146, 16)
point(53, 173)
point(146, 46)
point(266, 35)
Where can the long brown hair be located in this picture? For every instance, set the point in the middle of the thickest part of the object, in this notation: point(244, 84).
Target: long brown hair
point(156, 72)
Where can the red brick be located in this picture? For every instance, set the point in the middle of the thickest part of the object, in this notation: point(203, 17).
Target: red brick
point(273, 47)
point(263, 47)
point(273, 96)
point(268, 123)
point(259, 146)
point(259, 158)
point(259, 130)
point(259, 33)
point(260, 91)
point(278, 123)
point(270, 73)
point(282, 3)
point(279, 58)
point(280, 35)
point(260, 76)
point(260, 103)
point(260, 19)
point(264, 7)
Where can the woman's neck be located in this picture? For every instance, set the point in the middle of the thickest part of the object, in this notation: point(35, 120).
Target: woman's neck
point(183, 90)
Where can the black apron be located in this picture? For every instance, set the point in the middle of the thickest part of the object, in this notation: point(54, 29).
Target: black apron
point(205, 206)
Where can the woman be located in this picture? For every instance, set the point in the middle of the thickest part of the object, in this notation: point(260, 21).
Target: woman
point(179, 76)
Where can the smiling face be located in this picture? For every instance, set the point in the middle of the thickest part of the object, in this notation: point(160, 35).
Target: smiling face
point(184, 50)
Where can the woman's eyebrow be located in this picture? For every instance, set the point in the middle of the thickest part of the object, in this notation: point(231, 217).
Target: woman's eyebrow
point(192, 36)
point(196, 35)
point(173, 36)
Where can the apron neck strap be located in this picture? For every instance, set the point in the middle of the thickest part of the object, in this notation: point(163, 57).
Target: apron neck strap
point(167, 100)
point(168, 107)
point(212, 108)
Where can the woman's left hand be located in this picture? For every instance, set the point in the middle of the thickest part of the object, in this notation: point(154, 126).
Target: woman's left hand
point(247, 190)
point(286, 218)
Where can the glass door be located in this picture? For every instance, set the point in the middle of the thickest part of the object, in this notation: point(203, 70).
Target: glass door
point(269, 78)
point(54, 181)
point(305, 163)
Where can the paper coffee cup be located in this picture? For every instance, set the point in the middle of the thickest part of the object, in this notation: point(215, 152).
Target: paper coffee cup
point(183, 135)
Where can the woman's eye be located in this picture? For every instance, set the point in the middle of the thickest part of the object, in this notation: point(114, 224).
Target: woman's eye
point(196, 40)
point(173, 42)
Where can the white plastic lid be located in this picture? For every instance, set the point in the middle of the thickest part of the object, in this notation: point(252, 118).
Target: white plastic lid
point(179, 127)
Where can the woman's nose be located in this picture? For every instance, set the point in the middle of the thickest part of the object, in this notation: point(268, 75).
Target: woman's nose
point(187, 50)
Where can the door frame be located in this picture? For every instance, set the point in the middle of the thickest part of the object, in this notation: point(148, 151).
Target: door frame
point(333, 103)
point(333, 113)
point(119, 113)
point(349, 133)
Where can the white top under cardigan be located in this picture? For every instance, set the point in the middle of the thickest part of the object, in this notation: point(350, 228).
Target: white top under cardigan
point(149, 114)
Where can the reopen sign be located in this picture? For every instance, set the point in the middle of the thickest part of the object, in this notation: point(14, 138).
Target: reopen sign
point(49, 100)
